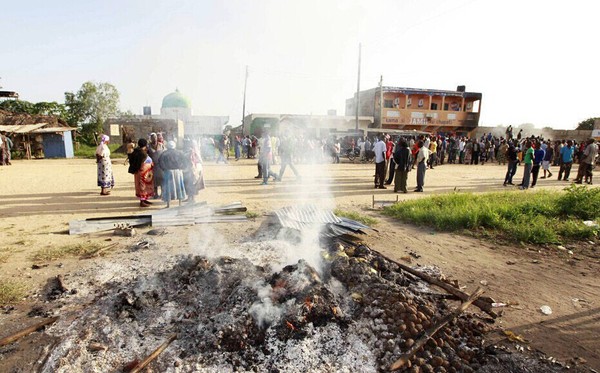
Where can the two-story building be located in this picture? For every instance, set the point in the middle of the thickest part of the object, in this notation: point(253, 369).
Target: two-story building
point(429, 110)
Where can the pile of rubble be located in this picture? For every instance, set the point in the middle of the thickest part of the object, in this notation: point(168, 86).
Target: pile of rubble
point(356, 312)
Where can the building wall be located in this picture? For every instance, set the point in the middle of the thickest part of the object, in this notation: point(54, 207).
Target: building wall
point(121, 129)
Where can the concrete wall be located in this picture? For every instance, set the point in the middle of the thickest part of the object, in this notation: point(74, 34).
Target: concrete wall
point(554, 134)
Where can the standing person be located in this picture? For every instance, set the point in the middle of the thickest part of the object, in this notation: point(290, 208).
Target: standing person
point(2, 149)
point(513, 162)
point(222, 146)
point(392, 163)
point(422, 158)
point(566, 160)
point(130, 147)
point(171, 164)
point(528, 161)
point(433, 153)
point(403, 160)
point(588, 160)
point(106, 179)
point(389, 151)
point(265, 157)
point(337, 149)
point(548, 160)
point(155, 150)
point(501, 155)
point(475, 151)
point(286, 153)
point(193, 178)
point(538, 158)
point(237, 145)
point(141, 166)
point(6, 145)
point(379, 150)
point(461, 149)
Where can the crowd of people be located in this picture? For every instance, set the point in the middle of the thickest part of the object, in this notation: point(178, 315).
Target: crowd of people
point(160, 169)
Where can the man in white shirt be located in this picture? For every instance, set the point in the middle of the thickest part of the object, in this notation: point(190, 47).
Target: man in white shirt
point(379, 150)
point(461, 149)
point(422, 158)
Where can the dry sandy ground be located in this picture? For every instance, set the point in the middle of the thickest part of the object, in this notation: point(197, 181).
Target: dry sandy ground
point(38, 199)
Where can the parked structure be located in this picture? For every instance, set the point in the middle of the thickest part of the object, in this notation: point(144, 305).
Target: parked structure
point(429, 110)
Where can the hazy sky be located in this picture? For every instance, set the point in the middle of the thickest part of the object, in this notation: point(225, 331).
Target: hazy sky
point(534, 61)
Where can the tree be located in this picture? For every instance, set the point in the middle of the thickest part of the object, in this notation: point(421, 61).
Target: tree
point(90, 107)
point(52, 108)
point(587, 124)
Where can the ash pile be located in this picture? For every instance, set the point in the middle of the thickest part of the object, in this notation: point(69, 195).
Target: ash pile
point(353, 311)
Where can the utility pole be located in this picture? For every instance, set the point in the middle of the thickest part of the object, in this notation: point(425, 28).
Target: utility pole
point(358, 88)
point(380, 101)
point(244, 105)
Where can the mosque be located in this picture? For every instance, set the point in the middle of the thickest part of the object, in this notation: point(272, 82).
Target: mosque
point(175, 121)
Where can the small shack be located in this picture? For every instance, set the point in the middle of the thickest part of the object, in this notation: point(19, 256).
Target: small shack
point(38, 136)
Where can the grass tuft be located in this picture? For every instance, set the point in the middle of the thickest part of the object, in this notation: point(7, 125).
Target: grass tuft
point(541, 218)
point(364, 219)
point(252, 214)
point(86, 249)
point(11, 292)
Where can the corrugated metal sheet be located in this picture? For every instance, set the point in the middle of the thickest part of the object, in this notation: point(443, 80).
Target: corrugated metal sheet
point(303, 217)
point(22, 128)
point(53, 129)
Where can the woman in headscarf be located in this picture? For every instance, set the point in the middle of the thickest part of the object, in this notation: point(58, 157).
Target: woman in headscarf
point(171, 163)
point(141, 166)
point(105, 174)
point(193, 178)
point(155, 149)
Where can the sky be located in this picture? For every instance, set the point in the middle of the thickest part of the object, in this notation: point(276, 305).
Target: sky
point(534, 61)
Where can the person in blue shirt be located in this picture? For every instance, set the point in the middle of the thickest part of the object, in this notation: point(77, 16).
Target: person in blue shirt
point(566, 160)
point(538, 157)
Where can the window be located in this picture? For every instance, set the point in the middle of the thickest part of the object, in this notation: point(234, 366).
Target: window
point(433, 106)
point(388, 104)
point(446, 107)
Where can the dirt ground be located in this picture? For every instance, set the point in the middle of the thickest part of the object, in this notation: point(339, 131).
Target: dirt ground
point(39, 198)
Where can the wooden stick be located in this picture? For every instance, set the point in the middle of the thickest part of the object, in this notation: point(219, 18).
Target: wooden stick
point(403, 360)
point(153, 355)
point(22, 333)
point(484, 306)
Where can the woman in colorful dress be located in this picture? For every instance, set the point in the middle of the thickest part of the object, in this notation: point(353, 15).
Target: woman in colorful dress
point(142, 168)
point(106, 180)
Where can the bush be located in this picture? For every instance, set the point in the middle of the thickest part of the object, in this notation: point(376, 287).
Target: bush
point(541, 217)
point(581, 202)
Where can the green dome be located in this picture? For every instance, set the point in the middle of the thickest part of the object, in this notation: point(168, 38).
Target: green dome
point(176, 100)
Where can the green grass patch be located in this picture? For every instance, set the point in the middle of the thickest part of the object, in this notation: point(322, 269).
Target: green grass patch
point(252, 214)
point(542, 217)
point(87, 151)
point(364, 219)
point(11, 292)
point(87, 249)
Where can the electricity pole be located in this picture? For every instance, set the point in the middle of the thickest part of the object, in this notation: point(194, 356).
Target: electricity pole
point(358, 88)
point(244, 105)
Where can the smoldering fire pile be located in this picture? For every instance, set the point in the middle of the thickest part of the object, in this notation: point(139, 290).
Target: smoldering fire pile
point(360, 312)
point(343, 308)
